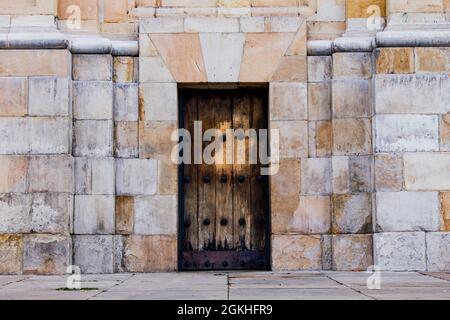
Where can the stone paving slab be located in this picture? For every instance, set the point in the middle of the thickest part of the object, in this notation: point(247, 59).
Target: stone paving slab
point(232, 286)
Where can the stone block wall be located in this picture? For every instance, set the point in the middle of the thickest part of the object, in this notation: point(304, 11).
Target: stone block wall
point(412, 159)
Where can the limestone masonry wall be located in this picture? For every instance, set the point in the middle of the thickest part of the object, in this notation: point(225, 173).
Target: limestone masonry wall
point(87, 114)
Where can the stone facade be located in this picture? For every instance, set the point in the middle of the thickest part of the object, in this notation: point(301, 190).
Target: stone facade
point(88, 106)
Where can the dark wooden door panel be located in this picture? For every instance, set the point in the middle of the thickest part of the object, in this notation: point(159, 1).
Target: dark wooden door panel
point(224, 221)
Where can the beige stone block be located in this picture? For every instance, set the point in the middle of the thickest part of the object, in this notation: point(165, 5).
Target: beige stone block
point(352, 252)
point(13, 174)
point(126, 69)
point(395, 60)
point(312, 216)
point(126, 139)
point(234, 12)
point(161, 25)
point(427, 171)
point(324, 138)
point(94, 176)
point(181, 3)
point(427, 6)
point(341, 174)
point(283, 23)
point(262, 54)
point(274, 3)
point(46, 254)
point(34, 63)
point(136, 177)
point(146, 46)
point(49, 96)
point(361, 174)
point(285, 189)
point(156, 215)
point(445, 132)
point(11, 251)
point(155, 139)
point(293, 138)
point(13, 97)
point(388, 172)
point(51, 174)
point(252, 24)
point(122, 28)
point(167, 177)
point(288, 101)
point(291, 69)
point(93, 100)
point(88, 9)
point(182, 53)
point(94, 214)
point(211, 24)
point(124, 217)
point(296, 252)
point(433, 60)
point(150, 253)
point(352, 136)
point(15, 213)
point(319, 68)
point(92, 67)
point(93, 138)
point(94, 253)
point(299, 44)
point(319, 101)
point(316, 176)
point(352, 99)
point(153, 69)
point(117, 10)
point(352, 213)
point(359, 8)
point(445, 210)
point(352, 65)
point(234, 3)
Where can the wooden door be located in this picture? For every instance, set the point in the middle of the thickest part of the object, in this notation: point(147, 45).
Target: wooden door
point(224, 205)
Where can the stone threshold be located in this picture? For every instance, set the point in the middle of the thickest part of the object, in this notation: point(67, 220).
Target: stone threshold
point(96, 44)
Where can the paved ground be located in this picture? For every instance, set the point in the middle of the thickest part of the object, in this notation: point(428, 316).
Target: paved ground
point(244, 285)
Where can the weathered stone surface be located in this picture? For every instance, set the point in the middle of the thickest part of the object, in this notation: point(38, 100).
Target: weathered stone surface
point(155, 215)
point(161, 25)
point(341, 174)
point(159, 101)
point(296, 252)
point(124, 215)
point(285, 188)
point(126, 139)
point(11, 251)
point(445, 132)
point(46, 254)
point(288, 101)
point(352, 213)
point(324, 138)
point(160, 73)
point(433, 60)
point(291, 69)
point(262, 53)
point(319, 68)
point(15, 214)
point(155, 139)
point(352, 99)
point(427, 171)
point(94, 254)
point(28, 63)
point(327, 252)
point(395, 60)
point(445, 210)
point(421, 93)
point(150, 253)
point(211, 24)
point(408, 211)
point(94, 214)
point(94, 176)
point(293, 138)
point(93, 138)
point(51, 213)
point(388, 172)
point(118, 254)
point(358, 9)
point(13, 174)
point(252, 24)
point(316, 176)
point(352, 65)
point(438, 251)
point(48, 96)
point(13, 97)
point(312, 216)
point(352, 252)
point(92, 67)
point(34, 135)
point(361, 174)
point(126, 102)
point(406, 133)
point(167, 177)
point(88, 9)
point(218, 45)
point(319, 101)
point(352, 136)
point(51, 174)
point(400, 251)
point(182, 54)
point(93, 100)
point(282, 24)
point(125, 69)
point(136, 177)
